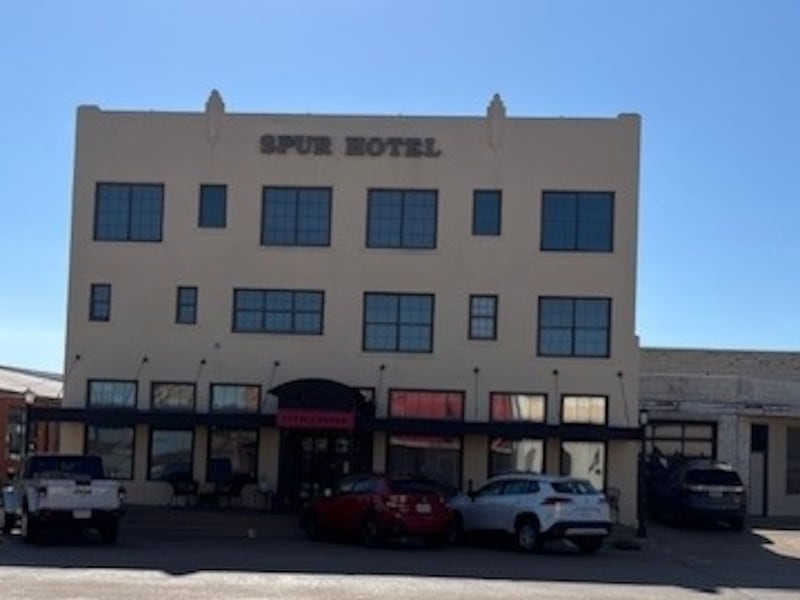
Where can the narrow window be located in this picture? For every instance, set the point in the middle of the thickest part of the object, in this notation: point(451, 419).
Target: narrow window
point(100, 302)
point(186, 306)
point(483, 317)
point(213, 206)
point(486, 211)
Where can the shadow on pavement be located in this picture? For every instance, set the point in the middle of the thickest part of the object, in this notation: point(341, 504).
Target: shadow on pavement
point(185, 541)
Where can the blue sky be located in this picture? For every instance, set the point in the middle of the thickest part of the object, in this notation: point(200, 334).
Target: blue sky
point(717, 84)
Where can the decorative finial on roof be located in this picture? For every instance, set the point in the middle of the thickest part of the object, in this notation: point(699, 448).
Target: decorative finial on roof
point(215, 108)
point(496, 116)
point(214, 104)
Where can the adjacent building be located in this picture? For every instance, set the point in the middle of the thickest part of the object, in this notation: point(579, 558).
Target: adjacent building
point(736, 406)
point(268, 301)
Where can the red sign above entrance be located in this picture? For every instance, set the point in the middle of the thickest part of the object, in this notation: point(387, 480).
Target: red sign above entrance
point(301, 418)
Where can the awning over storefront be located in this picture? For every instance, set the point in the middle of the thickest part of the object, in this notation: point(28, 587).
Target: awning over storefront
point(316, 404)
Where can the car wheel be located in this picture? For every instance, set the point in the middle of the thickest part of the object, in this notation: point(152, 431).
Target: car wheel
point(368, 533)
point(527, 535)
point(455, 530)
point(737, 524)
point(588, 545)
point(29, 526)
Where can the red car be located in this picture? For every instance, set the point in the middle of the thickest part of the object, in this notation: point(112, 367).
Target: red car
point(373, 507)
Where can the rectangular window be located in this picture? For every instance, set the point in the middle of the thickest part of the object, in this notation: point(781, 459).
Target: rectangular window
point(515, 455)
point(112, 394)
point(421, 404)
point(170, 455)
point(486, 211)
point(574, 326)
point(186, 306)
point(278, 311)
point(401, 218)
point(115, 446)
point(235, 398)
point(578, 221)
point(482, 317)
point(517, 407)
point(585, 460)
point(128, 212)
point(296, 216)
point(213, 206)
point(173, 396)
point(584, 409)
point(398, 322)
point(793, 460)
point(100, 302)
point(232, 456)
point(433, 457)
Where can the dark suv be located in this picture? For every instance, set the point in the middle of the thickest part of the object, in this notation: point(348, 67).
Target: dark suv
point(699, 490)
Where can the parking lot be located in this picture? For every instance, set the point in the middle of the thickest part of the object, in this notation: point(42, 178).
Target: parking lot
point(180, 553)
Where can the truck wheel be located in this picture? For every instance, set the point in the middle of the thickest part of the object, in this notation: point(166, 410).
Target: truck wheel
point(29, 525)
point(109, 531)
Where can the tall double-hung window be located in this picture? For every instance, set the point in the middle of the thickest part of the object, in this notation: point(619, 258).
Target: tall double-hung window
point(401, 219)
point(296, 216)
point(128, 212)
point(398, 322)
point(578, 221)
point(278, 311)
point(574, 327)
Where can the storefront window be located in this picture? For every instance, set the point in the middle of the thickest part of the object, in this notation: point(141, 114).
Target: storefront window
point(585, 460)
point(173, 396)
point(232, 455)
point(433, 457)
point(584, 409)
point(235, 398)
point(515, 455)
point(171, 455)
point(115, 446)
point(414, 404)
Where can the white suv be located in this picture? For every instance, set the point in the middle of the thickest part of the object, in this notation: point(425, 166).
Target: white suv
point(534, 508)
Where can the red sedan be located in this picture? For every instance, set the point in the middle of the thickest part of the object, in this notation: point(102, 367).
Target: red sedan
point(374, 507)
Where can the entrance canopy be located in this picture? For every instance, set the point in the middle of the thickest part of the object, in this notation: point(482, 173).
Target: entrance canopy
point(316, 404)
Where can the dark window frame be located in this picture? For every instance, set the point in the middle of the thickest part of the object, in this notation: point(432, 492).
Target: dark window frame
point(99, 308)
point(181, 305)
point(89, 403)
point(154, 384)
point(150, 433)
point(606, 409)
point(209, 438)
point(651, 439)
point(573, 327)
point(476, 317)
point(206, 214)
point(86, 429)
point(481, 229)
point(129, 233)
point(214, 410)
point(576, 246)
point(397, 323)
point(297, 218)
point(265, 311)
point(403, 225)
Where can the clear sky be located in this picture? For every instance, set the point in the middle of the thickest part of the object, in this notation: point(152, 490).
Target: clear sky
point(717, 83)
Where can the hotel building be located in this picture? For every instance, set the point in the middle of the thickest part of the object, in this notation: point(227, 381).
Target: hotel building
point(269, 301)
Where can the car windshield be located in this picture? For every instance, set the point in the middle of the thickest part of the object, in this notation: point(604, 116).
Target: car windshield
point(56, 467)
point(574, 486)
point(712, 477)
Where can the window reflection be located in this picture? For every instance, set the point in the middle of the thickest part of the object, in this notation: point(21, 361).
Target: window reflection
point(235, 398)
point(232, 455)
point(516, 455)
point(433, 457)
point(115, 446)
point(173, 396)
point(584, 409)
point(171, 455)
point(584, 460)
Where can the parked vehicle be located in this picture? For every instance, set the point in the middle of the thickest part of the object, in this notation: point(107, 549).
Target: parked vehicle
point(372, 507)
point(9, 508)
point(68, 492)
point(699, 490)
point(535, 508)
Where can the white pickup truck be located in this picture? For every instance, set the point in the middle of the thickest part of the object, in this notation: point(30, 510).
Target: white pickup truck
point(69, 492)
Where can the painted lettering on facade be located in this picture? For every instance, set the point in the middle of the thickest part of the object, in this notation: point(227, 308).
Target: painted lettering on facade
point(322, 145)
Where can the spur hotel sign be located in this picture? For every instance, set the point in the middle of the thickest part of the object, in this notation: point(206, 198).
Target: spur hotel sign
point(322, 145)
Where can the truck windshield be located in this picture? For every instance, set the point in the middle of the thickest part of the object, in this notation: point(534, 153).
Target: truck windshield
point(64, 467)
